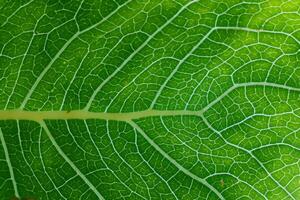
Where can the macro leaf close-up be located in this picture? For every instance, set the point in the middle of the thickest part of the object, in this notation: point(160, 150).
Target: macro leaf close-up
point(150, 99)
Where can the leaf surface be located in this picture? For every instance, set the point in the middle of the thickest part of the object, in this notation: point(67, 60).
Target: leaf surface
point(136, 99)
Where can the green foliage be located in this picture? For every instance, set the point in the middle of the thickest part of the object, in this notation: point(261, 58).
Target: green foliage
point(150, 99)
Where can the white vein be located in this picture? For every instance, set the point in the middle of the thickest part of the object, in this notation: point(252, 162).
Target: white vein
point(11, 171)
point(249, 153)
point(67, 159)
point(105, 164)
point(174, 162)
point(64, 47)
point(134, 53)
point(203, 40)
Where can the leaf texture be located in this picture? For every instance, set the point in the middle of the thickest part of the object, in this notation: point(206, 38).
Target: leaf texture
point(140, 99)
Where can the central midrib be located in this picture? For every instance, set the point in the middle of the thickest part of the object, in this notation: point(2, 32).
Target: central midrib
point(19, 114)
point(82, 114)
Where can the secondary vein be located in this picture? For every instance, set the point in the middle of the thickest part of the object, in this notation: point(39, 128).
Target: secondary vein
point(11, 172)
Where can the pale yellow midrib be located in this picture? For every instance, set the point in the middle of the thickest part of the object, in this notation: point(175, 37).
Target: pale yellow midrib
point(82, 114)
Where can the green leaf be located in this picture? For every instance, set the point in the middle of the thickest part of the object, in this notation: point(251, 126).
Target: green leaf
point(140, 99)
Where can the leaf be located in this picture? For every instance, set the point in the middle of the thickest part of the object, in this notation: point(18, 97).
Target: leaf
point(173, 99)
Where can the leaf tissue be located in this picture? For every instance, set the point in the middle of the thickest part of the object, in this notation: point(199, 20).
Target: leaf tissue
point(150, 99)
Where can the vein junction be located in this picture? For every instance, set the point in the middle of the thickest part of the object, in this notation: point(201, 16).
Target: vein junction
point(19, 114)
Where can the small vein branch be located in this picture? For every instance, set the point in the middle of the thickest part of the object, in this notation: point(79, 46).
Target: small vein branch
point(67, 159)
point(174, 162)
point(249, 153)
point(11, 172)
